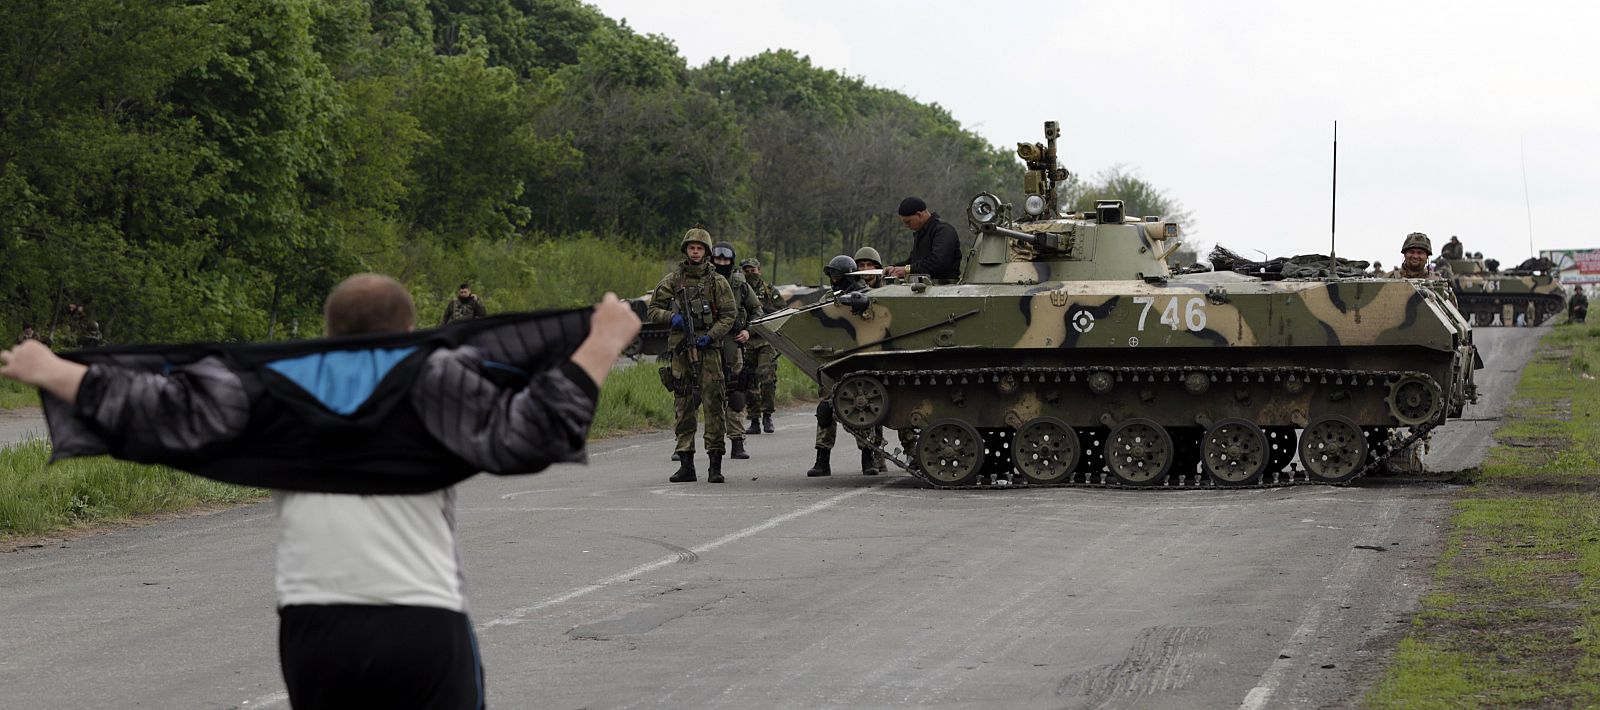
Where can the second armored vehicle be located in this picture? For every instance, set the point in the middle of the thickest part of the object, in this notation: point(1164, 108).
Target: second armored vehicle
point(1529, 293)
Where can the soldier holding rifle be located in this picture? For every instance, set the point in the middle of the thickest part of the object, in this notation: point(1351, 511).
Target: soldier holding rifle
point(699, 306)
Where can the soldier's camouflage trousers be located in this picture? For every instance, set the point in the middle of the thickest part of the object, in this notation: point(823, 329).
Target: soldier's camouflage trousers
point(731, 420)
point(766, 374)
point(828, 427)
point(712, 401)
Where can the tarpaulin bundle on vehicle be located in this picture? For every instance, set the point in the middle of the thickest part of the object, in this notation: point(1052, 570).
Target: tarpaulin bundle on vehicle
point(373, 414)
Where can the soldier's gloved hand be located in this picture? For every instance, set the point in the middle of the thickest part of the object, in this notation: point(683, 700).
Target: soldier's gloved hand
point(703, 342)
point(678, 322)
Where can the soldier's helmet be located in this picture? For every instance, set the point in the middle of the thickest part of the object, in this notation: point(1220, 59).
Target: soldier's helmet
point(752, 261)
point(1417, 240)
point(723, 250)
point(841, 264)
point(696, 235)
point(869, 254)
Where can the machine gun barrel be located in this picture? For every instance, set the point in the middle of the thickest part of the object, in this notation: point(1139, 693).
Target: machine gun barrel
point(1042, 241)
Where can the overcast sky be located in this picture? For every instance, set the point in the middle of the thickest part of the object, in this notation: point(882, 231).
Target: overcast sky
point(1229, 106)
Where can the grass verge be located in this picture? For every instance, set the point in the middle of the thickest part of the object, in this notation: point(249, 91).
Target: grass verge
point(14, 395)
point(36, 499)
point(1514, 617)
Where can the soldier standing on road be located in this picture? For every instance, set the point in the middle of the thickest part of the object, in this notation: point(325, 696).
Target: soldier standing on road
point(761, 351)
point(1414, 251)
point(935, 250)
point(695, 299)
point(738, 392)
point(466, 306)
point(840, 282)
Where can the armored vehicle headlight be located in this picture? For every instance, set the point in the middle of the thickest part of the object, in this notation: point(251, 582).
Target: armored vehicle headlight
point(1034, 205)
point(985, 209)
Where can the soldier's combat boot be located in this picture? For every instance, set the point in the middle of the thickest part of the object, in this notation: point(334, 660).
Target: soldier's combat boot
point(738, 449)
point(714, 472)
point(675, 455)
point(869, 463)
point(821, 468)
point(766, 422)
point(755, 425)
point(685, 472)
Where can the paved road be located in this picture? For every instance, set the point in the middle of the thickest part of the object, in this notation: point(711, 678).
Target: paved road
point(20, 424)
point(605, 586)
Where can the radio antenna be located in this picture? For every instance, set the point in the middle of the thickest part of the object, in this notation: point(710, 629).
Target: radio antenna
point(1333, 210)
point(1527, 203)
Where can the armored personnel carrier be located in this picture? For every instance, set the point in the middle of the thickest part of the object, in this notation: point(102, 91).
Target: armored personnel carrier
point(1530, 292)
point(1068, 354)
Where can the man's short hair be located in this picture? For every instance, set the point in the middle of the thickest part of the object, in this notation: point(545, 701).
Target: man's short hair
point(463, 285)
point(911, 206)
point(368, 303)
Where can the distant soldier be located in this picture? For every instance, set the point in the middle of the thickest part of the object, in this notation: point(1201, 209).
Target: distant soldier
point(935, 248)
point(698, 304)
point(1377, 268)
point(466, 306)
point(734, 378)
point(840, 282)
point(1578, 305)
point(1451, 249)
point(28, 333)
point(1415, 251)
point(85, 331)
point(761, 352)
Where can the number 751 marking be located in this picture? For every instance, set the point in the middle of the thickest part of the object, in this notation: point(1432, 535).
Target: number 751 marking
point(1194, 313)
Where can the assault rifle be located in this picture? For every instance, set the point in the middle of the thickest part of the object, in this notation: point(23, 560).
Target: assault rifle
point(680, 305)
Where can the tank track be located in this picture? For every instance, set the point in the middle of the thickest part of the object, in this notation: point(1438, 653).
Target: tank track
point(1103, 479)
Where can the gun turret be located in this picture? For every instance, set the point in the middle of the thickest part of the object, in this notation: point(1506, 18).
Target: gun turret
point(1045, 241)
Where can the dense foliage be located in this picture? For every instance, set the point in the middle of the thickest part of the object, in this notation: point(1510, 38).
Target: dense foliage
point(206, 169)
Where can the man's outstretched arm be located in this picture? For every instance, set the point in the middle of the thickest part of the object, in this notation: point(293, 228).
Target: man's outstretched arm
point(32, 364)
point(503, 430)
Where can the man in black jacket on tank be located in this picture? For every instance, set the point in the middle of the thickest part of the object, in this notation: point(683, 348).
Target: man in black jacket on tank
point(935, 251)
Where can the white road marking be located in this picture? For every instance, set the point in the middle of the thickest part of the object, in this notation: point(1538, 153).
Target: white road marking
point(517, 615)
point(1340, 586)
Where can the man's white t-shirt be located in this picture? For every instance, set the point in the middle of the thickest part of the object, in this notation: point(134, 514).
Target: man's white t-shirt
point(369, 549)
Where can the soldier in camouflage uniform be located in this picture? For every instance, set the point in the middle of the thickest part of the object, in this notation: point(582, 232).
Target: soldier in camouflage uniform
point(738, 394)
point(84, 331)
point(839, 282)
point(1414, 252)
point(695, 299)
point(466, 306)
point(867, 259)
point(761, 351)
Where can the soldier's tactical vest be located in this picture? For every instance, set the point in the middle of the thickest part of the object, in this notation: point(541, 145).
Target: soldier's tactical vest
point(461, 310)
point(702, 309)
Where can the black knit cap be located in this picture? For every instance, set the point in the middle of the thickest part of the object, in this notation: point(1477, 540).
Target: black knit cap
point(911, 206)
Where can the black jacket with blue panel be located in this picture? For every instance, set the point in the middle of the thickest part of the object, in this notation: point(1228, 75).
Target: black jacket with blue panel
point(379, 414)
